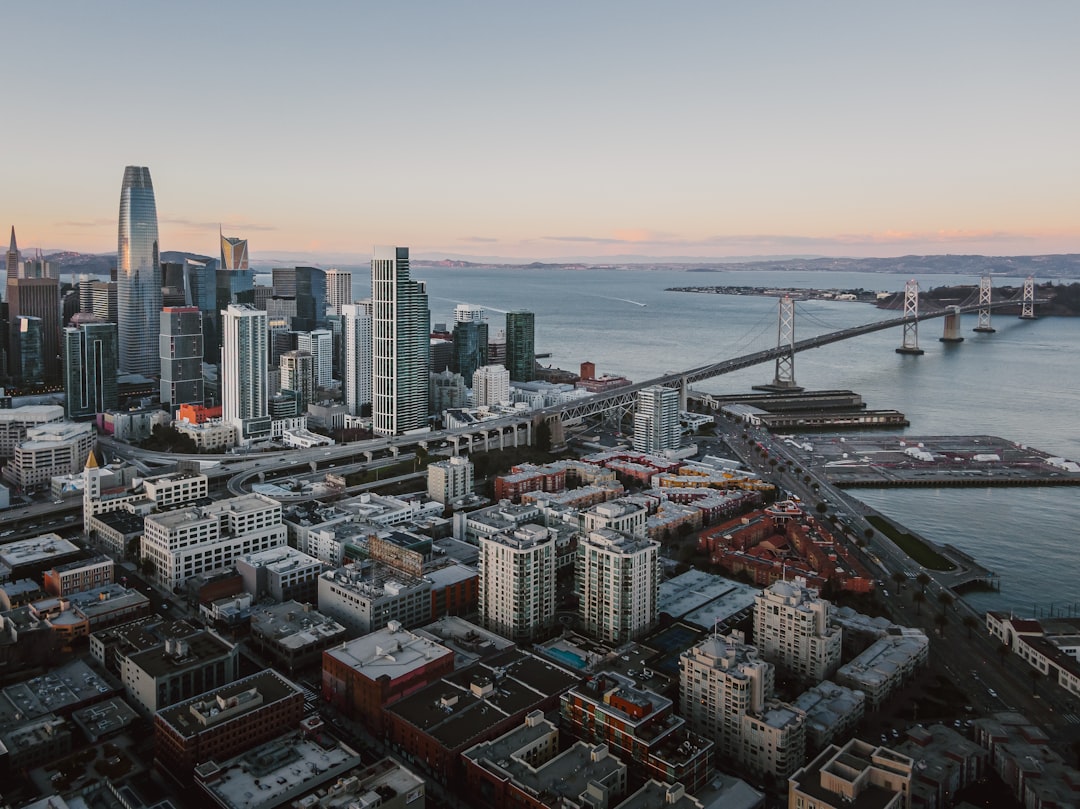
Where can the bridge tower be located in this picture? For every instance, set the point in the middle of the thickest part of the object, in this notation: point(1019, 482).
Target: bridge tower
point(1027, 311)
point(952, 326)
point(985, 296)
point(910, 344)
point(784, 377)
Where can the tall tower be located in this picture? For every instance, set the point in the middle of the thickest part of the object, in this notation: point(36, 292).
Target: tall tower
point(298, 377)
point(234, 252)
point(338, 290)
point(138, 275)
point(400, 336)
point(468, 313)
point(517, 582)
point(320, 344)
point(243, 370)
point(90, 357)
point(470, 350)
point(521, 346)
point(181, 356)
point(36, 298)
point(13, 262)
point(656, 420)
point(618, 585)
point(357, 382)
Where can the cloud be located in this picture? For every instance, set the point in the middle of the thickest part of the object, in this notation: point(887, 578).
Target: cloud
point(234, 226)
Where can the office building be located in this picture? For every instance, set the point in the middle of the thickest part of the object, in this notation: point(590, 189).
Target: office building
point(189, 541)
point(618, 582)
point(99, 299)
point(338, 291)
point(282, 573)
point(656, 420)
point(293, 635)
point(401, 326)
point(47, 451)
point(306, 287)
point(470, 348)
point(363, 600)
point(451, 479)
point(856, 774)
point(14, 262)
point(491, 385)
point(138, 275)
point(793, 631)
point(468, 313)
point(521, 346)
point(320, 344)
point(39, 344)
point(357, 372)
point(448, 391)
point(244, 392)
point(38, 267)
point(181, 356)
point(298, 378)
point(517, 582)
point(726, 695)
point(90, 368)
point(15, 422)
point(234, 253)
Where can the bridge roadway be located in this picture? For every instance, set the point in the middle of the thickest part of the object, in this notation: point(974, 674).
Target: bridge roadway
point(624, 397)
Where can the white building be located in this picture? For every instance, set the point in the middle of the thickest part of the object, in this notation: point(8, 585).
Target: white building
point(176, 488)
point(212, 434)
point(320, 344)
point(364, 600)
point(620, 515)
point(726, 694)
point(885, 666)
point(491, 385)
point(15, 422)
point(50, 450)
point(357, 333)
point(468, 313)
point(338, 291)
point(618, 581)
point(282, 573)
point(793, 630)
point(189, 541)
point(517, 582)
point(451, 479)
point(656, 420)
point(244, 392)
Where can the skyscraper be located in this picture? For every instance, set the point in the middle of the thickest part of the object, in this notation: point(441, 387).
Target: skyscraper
point(138, 275)
point(181, 356)
point(234, 253)
point(358, 356)
point(618, 584)
point(491, 385)
point(37, 298)
point(470, 348)
point(517, 582)
point(13, 263)
point(656, 420)
point(307, 287)
point(520, 346)
point(401, 325)
point(320, 344)
point(31, 353)
point(338, 290)
point(298, 378)
point(243, 370)
point(90, 357)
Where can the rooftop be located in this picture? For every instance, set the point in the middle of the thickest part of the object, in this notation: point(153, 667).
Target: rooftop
point(64, 687)
point(391, 652)
point(38, 549)
point(294, 625)
point(239, 698)
point(280, 560)
point(698, 597)
point(176, 655)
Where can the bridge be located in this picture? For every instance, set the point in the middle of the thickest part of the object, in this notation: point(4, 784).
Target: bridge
point(783, 354)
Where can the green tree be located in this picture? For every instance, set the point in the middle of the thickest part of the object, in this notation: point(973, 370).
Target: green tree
point(821, 508)
point(898, 579)
point(923, 579)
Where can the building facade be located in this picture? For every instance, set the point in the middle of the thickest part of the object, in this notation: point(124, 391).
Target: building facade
point(338, 291)
point(491, 385)
point(451, 479)
point(792, 631)
point(320, 344)
point(138, 275)
point(90, 369)
point(517, 582)
point(656, 420)
point(618, 583)
point(181, 356)
point(244, 392)
point(356, 382)
point(521, 346)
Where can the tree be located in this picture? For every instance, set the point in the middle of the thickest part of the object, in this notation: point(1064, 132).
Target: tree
point(147, 566)
point(945, 600)
point(1003, 651)
point(821, 508)
point(898, 579)
point(970, 622)
point(941, 620)
point(869, 534)
point(923, 579)
point(918, 598)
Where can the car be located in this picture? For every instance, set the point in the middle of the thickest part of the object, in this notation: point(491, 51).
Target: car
point(6, 533)
point(992, 692)
point(885, 593)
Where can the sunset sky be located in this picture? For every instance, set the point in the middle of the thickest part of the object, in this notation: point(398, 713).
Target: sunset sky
point(549, 130)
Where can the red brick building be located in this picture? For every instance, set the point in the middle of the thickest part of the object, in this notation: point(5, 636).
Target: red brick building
point(529, 478)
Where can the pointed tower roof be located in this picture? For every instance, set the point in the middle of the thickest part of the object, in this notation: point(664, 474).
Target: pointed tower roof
point(91, 461)
point(14, 247)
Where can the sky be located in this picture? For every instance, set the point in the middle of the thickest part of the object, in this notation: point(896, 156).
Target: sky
point(549, 130)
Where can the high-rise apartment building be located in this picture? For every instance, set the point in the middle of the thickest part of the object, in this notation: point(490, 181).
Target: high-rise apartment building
point(470, 348)
point(726, 694)
point(181, 356)
point(618, 583)
point(656, 420)
point(90, 360)
point(491, 385)
point(338, 290)
point(517, 582)
point(138, 275)
point(244, 393)
point(320, 345)
point(468, 313)
point(306, 286)
point(234, 253)
point(31, 350)
point(37, 298)
point(297, 378)
point(448, 480)
point(13, 261)
point(792, 631)
point(521, 346)
point(401, 327)
point(357, 376)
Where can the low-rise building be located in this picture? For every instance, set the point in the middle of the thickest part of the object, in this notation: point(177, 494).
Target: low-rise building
point(1021, 755)
point(832, 713)
point(856, 774)
point(209, 435)
point(78, 614)
point(282, 573)
point(176, 488)
point(83, 574)
point(363, 598)
point(15, 421)
point(293, 636)
point(30, 558)
point(945, 762)
point(49, 450)
point(34, 742)
point(177, 669)
point(885, 666)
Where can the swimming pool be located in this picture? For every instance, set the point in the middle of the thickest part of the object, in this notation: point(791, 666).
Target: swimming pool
point(568, 657)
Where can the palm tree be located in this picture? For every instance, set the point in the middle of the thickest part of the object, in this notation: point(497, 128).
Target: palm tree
point(941, 620)
point(970, 622)
point(923, 579)
point(945, 600)
point(898, 579)
point(918, 598)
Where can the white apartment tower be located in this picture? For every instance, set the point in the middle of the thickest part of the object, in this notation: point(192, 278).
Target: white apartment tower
point(468, 313)
point(618, 583)
point(357, 375)
point(400, 345)
point(792, 631)
point(320, 344)
point(517, 582)
point(338, 291)
point(243, 368)
point(451, 479)
point(656, 420)
point(491, 385)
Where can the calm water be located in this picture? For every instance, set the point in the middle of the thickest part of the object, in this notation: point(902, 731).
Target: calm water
point(1022, 383)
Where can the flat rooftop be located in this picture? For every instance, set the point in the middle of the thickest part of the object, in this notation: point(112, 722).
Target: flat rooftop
point(271, 686)
point(36, 550)
point(280, 560)
point(391, 652)
point(292, 625)
point(193, 650)
point(104, 718)
point(64, 687)
point(704, 598)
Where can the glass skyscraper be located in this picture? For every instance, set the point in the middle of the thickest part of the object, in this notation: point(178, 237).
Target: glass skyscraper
point(244, 392)
point(181, 356)
point(400, 338)
point(520, 346)
point(90, 353)
point(138, 275)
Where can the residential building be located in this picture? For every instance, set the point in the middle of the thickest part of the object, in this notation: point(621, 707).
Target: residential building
point(338, 291)
point(362, 676)
point(885, 666)
point(320, 345)
point(853, 775)
point(448, 391)
point(298, 378)
point(138, 275)
point(793, 631)
point(468, 313)
point(79, 575)
point(365, 599)
point(521, 346)
point(181, 356)
point(517, 582)
point(618, 582)
point(470, 339)
point(451, 479)
point(173, 489)
point(244, 392)
point(90, 369)
point(622, 516)
point(833, 712)
point(656, 420)
point(491, 385)
point(357, 377)
point(401, 325)
point(189, 541)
